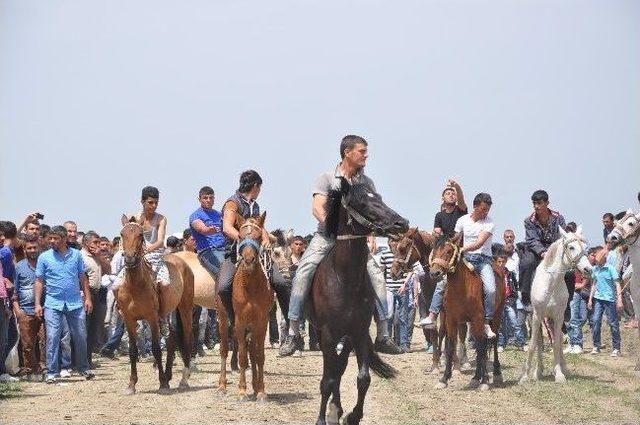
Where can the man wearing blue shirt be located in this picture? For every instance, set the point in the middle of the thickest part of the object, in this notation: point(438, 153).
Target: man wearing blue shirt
point(62, 270)
point(31, 326)
point(206, 226)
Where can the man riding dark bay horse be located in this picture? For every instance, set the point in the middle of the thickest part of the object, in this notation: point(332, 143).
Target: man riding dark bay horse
point(353, 151)
point(342, 294)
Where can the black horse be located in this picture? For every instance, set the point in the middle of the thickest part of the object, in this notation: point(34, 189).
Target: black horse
point(342, 295)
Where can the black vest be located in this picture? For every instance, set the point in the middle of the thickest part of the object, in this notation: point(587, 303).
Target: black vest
point(246, 210)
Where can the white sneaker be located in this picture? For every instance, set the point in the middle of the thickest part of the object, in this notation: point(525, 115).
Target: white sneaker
point(5, 377)
point(428, 323)
point(488, 332)
point(569, 349)
point(615, 353)
point(65, 373)
point(577, 349)
point(500, 349)
point(595, 350)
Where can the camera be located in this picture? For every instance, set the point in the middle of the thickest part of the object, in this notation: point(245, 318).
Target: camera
point(39, 216)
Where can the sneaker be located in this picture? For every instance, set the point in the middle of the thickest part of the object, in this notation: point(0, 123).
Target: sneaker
point(87, 374)
point(577, 349)
point(108, 354)
point(314, 347)
point(51, 379)
point(290, 345)
point(387, 346)
point(428, 323)
point(201, 352)
point(5, 377)
point(500, 349)
point(615, 353)
point(65, 373)
point(274, 345)
point(488, 332)
point(595, 350)
point(568, 350)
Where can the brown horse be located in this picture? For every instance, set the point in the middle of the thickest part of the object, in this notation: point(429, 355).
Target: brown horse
point(252, 300)
point(138, 299)
point(463, 303)
point(415, 246)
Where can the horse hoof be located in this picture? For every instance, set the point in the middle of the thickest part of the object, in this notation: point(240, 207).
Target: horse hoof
point(498, 380)
point(164, 391)
point(183, 385)
point(221, 392)
point(334, 414)
point(465, 367)
point(440, 386)
point(243, 398)
point(473, 384)
point(350, 419)
point(435, 371)
point(561, 379)
point(484, 387)
point(261, 398)
point(129, 391)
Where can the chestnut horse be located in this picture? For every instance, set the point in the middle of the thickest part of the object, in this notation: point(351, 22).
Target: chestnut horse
point(463, 303)
point(138, 299)
point(342, 297)
point(415, 246)
point(252, 301)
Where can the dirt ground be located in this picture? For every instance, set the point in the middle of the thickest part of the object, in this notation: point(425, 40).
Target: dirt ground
point(600, 389)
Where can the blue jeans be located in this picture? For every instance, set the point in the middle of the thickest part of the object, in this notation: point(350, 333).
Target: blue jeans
point(482, 265)
point(509, 325)
point(608, 307)
point(116, 337)
point(78, 330)
point(578, 307)
point(4, 341)
point(65, 346)
point(438, 296)
point(211, 259)
point(405, 314)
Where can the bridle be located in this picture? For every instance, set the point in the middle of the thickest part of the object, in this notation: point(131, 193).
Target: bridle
point(137, 256)
point(449, 266)
point(248, 241)
point(635, 234)
point(565, 252)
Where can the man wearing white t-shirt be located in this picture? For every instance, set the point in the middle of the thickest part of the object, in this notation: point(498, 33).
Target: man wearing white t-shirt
point(477, 230)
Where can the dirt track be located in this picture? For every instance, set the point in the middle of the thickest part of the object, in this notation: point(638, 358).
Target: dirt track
point(600, 389)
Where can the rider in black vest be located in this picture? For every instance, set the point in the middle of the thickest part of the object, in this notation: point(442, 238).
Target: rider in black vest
point(243, 203)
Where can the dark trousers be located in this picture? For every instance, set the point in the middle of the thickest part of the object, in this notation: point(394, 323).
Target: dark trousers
point(274, 334)
point(95, 321)
point(528, 263)
point(32, 332)
point(116, 337)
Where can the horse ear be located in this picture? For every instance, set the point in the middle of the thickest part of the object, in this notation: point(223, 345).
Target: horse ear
point(579, 230)
point(456, 238)
point(412, 231)
point(133, 219)
point(262, 218)
point(124, 219)
point(562, 231)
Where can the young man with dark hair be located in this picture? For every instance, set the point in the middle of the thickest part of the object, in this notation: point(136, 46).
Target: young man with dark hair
point(206, 230)
point(188, 241)
point(541, 229)
point(353, 154)
point(607, 222)
point(477, 231)
point(62, 270)
point(31, 326)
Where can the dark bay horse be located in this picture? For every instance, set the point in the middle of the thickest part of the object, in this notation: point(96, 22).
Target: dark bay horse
point(343, 298)
point(252, 301)
point(139, 299)
point(463, 303)
point(415, 246)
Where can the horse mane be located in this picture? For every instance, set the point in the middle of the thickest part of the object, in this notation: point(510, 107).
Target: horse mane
point(550, 256)
point(332, 210)
point(620, 215)
point(440, 241)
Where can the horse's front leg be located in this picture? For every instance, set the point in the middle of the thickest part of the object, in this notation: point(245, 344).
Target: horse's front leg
point(462, 348)
point(258, 346)
point(243, 360)
point(362, 345)
point(157, 355)
point(133, 357)
point(559, 367)
point(223, 329)
point(449, 348)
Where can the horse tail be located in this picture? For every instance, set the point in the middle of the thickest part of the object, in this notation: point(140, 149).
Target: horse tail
point(379, 366)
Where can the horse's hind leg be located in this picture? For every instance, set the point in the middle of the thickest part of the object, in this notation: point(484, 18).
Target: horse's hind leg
point(328, 381)
point(361, 345)
point(171, 348)
point(133, 357)
point(559, 366)
point(184, 328)
point(497, 368)
point(335, 406)
point(157, 355)
point(462, 348)
point(223, 329)
point(536, 334)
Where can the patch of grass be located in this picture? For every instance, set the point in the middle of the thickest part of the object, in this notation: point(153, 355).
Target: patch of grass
point(9, 390)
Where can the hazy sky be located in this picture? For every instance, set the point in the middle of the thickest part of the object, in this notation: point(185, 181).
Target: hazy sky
point(98, 99)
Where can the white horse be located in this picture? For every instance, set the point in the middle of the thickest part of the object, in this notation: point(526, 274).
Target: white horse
point(627, 232)
point(549, 298)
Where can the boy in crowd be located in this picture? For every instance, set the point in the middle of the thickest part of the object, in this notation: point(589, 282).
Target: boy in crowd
point(606, 297)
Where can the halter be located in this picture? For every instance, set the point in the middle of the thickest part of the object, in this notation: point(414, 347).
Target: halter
point(412, 247)
point(635, 234)
point(137, 257)
point(355, 215)
point(449, 266)
point(573, 261)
